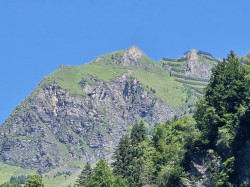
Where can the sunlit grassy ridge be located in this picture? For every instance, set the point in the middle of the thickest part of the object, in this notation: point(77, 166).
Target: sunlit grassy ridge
point(149, 73)
point(70, 77)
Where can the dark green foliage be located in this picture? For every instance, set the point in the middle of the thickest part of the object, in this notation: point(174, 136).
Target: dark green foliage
point(207, 122)
point(220, 175)
point(21, 179)
point(227, 88)
point(85, 175)
point(170, 176)
point(222, 117)
point(62, 173)
point(152, 90)
point(102, 175)
point(119, 182)
point(122, 157)
point(157, 161)
point(138, 133)
point(34, 181)
point(217, 113)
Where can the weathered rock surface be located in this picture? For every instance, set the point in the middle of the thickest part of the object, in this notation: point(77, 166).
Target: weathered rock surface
point(194, 67)
point(52, 126)
point(131, 57)
point(198, 174)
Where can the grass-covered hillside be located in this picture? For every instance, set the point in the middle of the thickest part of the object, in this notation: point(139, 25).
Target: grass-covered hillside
point(175, 88)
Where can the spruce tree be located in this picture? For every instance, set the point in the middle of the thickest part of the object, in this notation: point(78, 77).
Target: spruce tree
point(102, 175)
point(225, 94)
point(122, 157)
point(85, 175)
point(138, 133)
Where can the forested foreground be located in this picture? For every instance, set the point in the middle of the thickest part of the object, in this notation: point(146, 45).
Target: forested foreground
point(215, 134)
point(218, 130)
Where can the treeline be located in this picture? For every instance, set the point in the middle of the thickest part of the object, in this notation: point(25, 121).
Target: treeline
point(23, 180)
point(140, 160)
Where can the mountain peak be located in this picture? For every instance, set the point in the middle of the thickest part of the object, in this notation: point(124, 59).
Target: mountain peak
point(131, 56)
point(191, 52)
point(134, 49)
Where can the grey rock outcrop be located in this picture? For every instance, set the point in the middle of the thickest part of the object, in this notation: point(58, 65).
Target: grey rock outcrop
point(52, 126)
point(131, 57)
point(195, 67)
point(56, 126)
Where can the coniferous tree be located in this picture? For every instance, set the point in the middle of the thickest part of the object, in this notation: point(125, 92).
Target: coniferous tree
point(122, 157)
point(85, 175)
point(138, 133)
point(217, 112)
point(227, 88)
point(102, 175)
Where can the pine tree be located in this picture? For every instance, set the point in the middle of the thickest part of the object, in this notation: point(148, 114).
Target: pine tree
point(102, 175)
point(85, 175)
point(122, 157)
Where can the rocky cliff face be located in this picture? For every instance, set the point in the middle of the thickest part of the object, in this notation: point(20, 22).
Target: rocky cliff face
point(131, 57)
point(52, 126)
point(56, 126)
point(196, 67)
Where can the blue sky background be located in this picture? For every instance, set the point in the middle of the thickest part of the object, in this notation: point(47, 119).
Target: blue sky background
point(38, 36)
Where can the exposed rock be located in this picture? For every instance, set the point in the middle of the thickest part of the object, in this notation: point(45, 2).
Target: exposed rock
point(194, 67)
point(131, 57)
point(198, 174)
point(53, 126)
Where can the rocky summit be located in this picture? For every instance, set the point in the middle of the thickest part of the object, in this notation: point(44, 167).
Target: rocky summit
point(80, 113)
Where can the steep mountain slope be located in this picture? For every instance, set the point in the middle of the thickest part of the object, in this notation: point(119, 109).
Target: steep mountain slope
point(80, 113)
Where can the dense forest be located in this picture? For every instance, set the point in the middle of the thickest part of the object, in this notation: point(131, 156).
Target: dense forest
point(218, 129)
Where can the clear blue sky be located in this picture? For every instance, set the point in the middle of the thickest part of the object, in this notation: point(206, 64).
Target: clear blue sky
point(38, 36)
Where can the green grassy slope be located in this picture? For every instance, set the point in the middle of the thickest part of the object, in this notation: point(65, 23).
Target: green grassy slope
point(150, 74)
point(50, 179)
point(6, 171)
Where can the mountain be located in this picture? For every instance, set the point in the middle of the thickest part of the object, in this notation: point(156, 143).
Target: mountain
point(78, 114)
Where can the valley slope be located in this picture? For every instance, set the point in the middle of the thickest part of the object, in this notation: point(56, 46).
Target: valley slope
point(78, 114)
